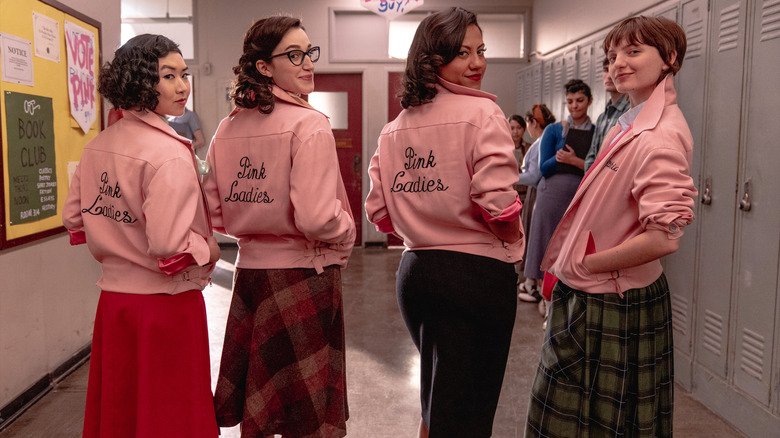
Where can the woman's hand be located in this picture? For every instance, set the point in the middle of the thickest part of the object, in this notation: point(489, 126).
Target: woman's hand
point(214, 251)
point(566, 155)
point(638, 250)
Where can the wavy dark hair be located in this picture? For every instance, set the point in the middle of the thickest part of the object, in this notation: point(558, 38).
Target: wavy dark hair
point(577, 85)
point(659, 32)
point(250, 88)
point(436, 43)
point(129, 80)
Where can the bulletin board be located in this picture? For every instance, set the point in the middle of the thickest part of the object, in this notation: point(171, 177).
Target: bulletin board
point(49, 110)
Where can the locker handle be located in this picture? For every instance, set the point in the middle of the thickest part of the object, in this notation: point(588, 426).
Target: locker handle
point(706, 197)
point(744, 203)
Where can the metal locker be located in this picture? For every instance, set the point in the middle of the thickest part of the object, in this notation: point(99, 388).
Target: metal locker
point(570, 66)
point(528, 84)
point(547, 83)
point(718, 188)
point(520, 98)
point(536, 71)
point(593, 53)
point(758, 217)
point(557, 93)
point(680, 267)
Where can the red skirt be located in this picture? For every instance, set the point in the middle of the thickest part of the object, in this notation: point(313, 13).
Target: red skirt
point(149, 374)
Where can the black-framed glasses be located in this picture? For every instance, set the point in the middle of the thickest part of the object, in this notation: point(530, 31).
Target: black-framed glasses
point(296, 56)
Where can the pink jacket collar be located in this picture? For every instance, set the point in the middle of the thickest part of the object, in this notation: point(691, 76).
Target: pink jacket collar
point(663, 95)
point(460, 89)
point(153, 120)
point(648, 118)
point(284, 96)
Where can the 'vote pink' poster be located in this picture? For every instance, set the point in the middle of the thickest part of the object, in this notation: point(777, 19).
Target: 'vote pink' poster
point(82, 87)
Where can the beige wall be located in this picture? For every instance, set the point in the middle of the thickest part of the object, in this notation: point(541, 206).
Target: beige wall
point(47, 293)
point(559, 22)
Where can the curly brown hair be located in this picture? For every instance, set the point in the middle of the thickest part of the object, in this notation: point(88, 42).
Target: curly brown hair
point(250, 88)
point(129, 80)
point(436, 43)
point(577, 85)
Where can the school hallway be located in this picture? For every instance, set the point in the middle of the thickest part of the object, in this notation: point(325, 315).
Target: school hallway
point(381, 365)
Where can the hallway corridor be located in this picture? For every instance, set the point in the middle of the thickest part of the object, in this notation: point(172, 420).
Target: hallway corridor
point(381, 365)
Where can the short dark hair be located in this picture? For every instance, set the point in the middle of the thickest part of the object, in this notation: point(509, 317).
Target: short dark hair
point(250, 88)
point(436, 43)
point(577, 85)
point(517, 119)
point(129, 80)
point(659, 32)
point(541, 115)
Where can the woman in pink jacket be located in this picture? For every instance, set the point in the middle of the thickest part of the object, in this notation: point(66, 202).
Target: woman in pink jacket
point(275, 185)
point(136, 201)
point(606, 365)
point(441, 178)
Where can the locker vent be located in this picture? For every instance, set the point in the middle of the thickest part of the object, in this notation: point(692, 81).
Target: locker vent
point(520, 88)
point(713, 332)
point(770, 20)
point(547, 77)
point(752, 360)
point(585, 61)
point(537, 81)
point(680, 314)
point(570, 65)
point(557, 74)
point(695, 32)
point(529, 90)
point(728, 37)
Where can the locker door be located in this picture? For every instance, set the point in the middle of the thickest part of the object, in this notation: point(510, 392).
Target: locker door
point(557, 88)
point(537, 84)
point(528, 85)
point(519, 86)
point(680, 267)
point(570, 66)
point(759, 221)
point(547, 83)
point(719, 170)
point(590, 72)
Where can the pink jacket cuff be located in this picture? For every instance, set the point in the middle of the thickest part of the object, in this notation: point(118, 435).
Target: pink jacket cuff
point(77, 237)
point(384, 225)
point(509, 214)
point(175, 264)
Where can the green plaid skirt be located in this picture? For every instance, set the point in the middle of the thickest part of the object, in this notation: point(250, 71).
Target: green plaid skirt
point(606, 367)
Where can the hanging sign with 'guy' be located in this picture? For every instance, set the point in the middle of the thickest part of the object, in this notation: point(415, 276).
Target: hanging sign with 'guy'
point(391, 8)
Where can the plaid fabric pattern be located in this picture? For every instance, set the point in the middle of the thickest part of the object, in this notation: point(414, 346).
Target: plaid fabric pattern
point(604, 123)
point(283, 363)
point(606, 367)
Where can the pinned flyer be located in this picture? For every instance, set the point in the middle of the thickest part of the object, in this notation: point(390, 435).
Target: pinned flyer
point(82, 86)
point(391, 8)
point(47, 37)
point(17, 60)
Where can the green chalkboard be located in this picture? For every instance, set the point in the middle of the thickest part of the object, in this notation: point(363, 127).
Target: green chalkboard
point(32, 171)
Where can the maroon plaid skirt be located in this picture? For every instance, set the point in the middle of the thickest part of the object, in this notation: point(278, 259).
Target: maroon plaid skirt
point(283, 363)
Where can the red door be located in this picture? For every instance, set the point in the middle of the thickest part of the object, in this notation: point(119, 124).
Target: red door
point(349, 141)
point(393, 109)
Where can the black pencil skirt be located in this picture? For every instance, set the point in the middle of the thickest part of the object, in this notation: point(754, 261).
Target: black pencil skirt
point(460, 310)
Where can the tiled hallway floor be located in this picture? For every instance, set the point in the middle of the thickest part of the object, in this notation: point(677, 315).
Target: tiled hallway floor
point(381, 365)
